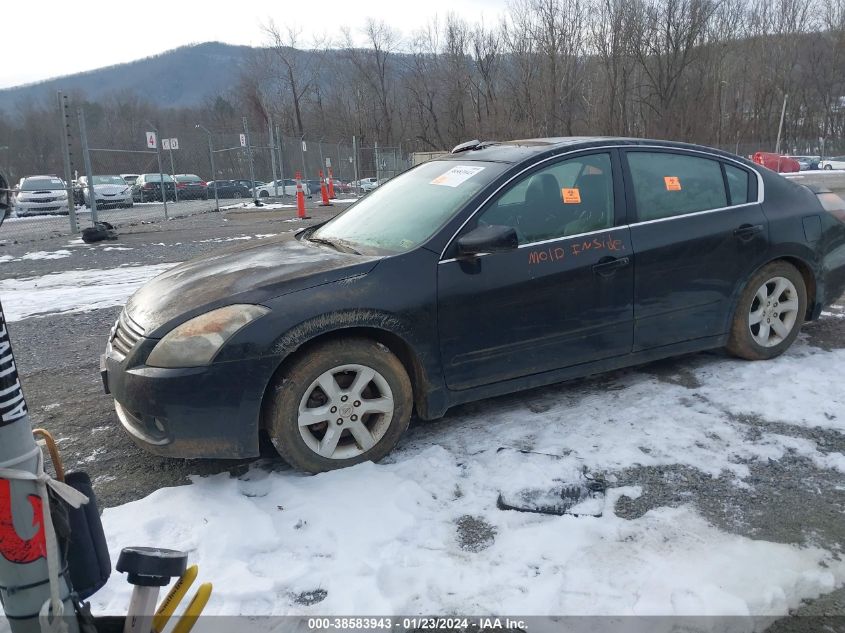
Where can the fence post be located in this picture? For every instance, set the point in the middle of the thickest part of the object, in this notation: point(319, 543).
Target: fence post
point(273, 159)
point(64, 117)
point(173, 174)
point(302, 151)
point(281, 159)
point(86, 158)
point(355, 165)
point(251, 165)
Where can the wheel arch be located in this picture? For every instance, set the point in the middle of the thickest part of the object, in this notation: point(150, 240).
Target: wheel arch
point(809, 277)
point(297, 342)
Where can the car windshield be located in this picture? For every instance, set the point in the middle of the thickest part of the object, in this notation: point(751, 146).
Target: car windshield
point(157, 178)
point(36, 184)
point(408, 210)
point(109, 180)
point(188, 179)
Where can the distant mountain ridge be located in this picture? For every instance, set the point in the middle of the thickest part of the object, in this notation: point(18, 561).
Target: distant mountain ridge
point(180, 77)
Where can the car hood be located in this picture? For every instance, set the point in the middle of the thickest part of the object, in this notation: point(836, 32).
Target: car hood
point(250, 273)
point(110, 190)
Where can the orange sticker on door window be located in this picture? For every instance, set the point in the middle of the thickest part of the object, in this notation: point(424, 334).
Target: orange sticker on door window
point(673, 183)
point(571, 196)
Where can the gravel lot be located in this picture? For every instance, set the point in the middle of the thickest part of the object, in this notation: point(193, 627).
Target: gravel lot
point(788, 500)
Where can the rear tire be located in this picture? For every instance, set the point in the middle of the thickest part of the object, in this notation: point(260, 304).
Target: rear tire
point(769, 312)
point(359, 416)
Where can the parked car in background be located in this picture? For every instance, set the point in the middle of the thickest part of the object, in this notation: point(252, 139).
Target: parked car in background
point(807, 163)
point(110, 191)
point(368, 184)
point(147, 188)
point(190, 187)
point(5, 198)
point(286, 187)
point(130, 179)
point(227, 189)
point(249, 184)
point(835, 162)
point(313, 187)
point(776, 162)
point(39, 195)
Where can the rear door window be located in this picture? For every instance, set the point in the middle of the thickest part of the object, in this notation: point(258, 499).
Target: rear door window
point(737, 184)
point(671, 184)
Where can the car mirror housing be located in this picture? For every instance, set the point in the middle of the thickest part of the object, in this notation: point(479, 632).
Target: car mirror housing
point(491, 238)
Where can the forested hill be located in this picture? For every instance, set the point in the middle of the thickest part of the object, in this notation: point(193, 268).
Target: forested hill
point(181, 77)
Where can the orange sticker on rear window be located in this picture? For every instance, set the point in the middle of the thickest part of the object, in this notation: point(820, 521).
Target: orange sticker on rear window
point(673, 183)
point(571, 196)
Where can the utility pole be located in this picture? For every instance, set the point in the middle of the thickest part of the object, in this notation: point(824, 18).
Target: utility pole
point(86, 158)
point(780, 127)
point(251, 165)
point(64, 132)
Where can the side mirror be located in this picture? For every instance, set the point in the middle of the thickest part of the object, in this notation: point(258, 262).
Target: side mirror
point(492, 238)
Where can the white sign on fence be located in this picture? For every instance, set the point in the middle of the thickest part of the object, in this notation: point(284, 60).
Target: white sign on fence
point(174, 143)
point(151, 140)
point(328, 162)
point(304, 147)
point(243, 140)
point(165, 143)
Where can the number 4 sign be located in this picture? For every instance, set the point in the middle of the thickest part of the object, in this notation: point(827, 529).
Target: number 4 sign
point(151, 140)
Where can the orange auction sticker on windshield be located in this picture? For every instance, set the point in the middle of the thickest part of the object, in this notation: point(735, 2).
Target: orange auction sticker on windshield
point(673, 183)
point(571, 196)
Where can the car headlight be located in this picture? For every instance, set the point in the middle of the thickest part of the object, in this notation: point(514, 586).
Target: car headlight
point(196, 342)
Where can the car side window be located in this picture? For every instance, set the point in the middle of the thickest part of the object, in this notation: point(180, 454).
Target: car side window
point(669, 184)
point(567, 198)
point(737, 184)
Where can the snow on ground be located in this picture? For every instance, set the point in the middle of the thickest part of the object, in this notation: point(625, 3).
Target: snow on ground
point(74, 290)
point(421, 533)
point(36, 255)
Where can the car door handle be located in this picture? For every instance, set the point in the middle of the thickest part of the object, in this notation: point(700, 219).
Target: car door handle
point(747, 231)
point(607, 266)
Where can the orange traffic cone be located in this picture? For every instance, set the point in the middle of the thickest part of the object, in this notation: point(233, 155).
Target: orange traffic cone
point(300, 198)
point(324, 191)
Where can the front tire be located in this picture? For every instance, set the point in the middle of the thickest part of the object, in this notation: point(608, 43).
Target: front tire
point(769, 313)
point(342, 403)
point(828, 167)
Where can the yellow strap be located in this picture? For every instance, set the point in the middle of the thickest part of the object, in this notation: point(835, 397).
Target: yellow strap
point(192, 613)
point(173, 598)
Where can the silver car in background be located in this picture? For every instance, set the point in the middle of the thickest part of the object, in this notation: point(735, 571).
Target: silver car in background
point(40, 195)
point(109, 191)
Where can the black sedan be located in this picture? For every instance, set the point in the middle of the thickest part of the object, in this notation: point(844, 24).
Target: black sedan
point(227, 189)
point(500, 267)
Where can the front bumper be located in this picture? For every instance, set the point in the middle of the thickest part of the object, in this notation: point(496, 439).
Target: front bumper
point(197, 412)
point(53, 207)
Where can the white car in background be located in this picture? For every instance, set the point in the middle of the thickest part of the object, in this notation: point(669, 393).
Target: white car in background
point(40, 195)
point(368, 184)
point(286, 187)
point(834, 162)
point(109, 191)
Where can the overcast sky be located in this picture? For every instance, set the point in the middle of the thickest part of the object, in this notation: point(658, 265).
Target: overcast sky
point(49, 39)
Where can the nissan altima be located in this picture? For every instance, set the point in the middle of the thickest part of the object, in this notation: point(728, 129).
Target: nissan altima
point(496, 268)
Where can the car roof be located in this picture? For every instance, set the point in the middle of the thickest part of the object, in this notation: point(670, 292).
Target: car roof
point(520, 150)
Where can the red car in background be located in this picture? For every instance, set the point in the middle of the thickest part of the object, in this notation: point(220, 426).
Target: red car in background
point(776, 162)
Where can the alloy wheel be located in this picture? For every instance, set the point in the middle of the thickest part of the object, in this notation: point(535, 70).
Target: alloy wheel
point(345, 411)
point(774, 312)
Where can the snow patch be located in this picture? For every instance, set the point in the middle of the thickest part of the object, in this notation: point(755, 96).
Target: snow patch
point(74, 290)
